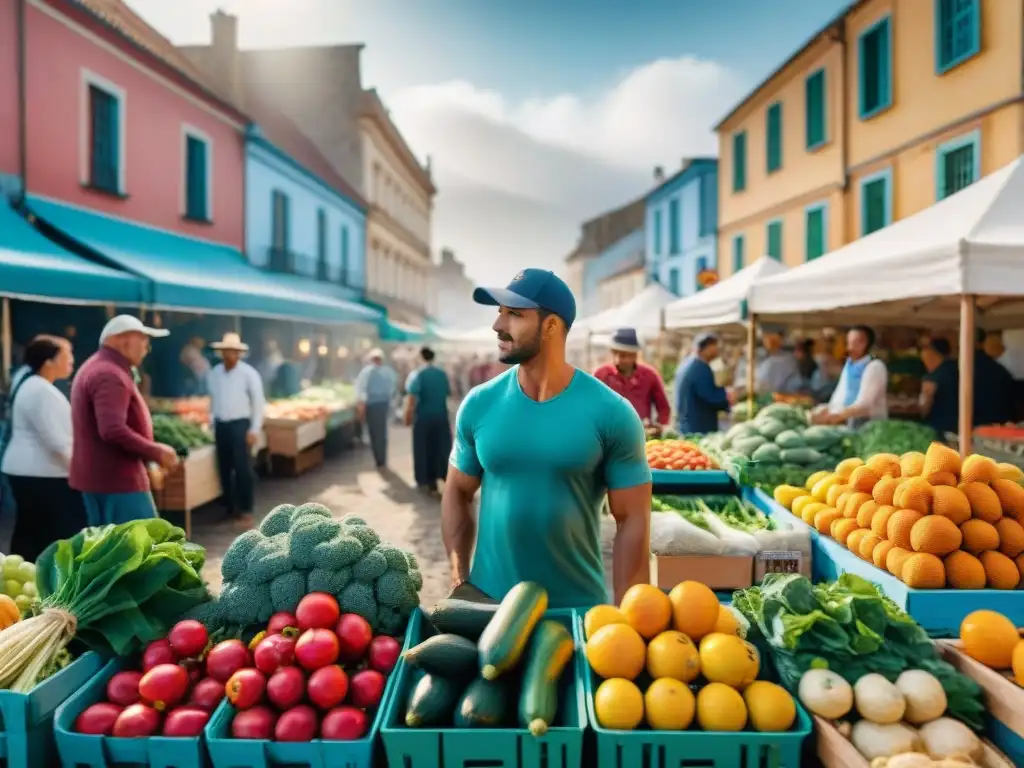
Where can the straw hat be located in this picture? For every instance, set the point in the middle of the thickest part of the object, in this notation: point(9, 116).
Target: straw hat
point(230, 341)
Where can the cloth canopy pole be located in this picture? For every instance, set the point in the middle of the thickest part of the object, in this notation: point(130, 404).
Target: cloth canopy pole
point(661, 341)
point(966, 365)
point(751, 356)
point(6, 337)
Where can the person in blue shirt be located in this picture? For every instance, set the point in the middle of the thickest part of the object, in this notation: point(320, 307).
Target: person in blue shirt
point(544, 443)
point(698, 398)
point(375, 388)
point(426, 411)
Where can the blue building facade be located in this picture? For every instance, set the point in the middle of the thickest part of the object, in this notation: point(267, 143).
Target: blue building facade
point(608, 262)
point(681, 222)
point(298, 222)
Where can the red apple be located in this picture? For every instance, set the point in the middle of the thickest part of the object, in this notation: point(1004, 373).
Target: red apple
point(344, 724)
point(273, 652)
point(255, 723)
point(245, 688)
point(158, 652)
point(383, 654)
point(316, 648)
point(354, 636)
point(297, 724)
point(286, 687)
point(367, 688)
point(328, 686)
point(226, 658)
point(317, 610)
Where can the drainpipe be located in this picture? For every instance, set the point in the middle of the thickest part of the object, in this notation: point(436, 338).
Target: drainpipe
point(844, 133)
point(22, 102)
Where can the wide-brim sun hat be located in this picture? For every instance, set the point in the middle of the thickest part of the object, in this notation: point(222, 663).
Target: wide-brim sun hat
point(230, 341)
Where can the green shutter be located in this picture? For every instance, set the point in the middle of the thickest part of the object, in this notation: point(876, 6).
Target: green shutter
point(957, 169)
point(957, 32)
point(673, 280)
point(875, 75)
point(775, 240)
point(657, 233)
point(344, 256)
point(105, 140)
point(321, 244)
point(815, 245)
point(816, 105)
point(673, 226)
point(739, 162)
point(874, 205)
point(738, 257)
point(195, 179)
point(773, 137)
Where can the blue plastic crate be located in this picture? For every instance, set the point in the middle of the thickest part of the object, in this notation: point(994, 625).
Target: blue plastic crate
point(80, 749)
point(692, 482)
point(226, 752)
point(560, 747)
point(26, 719)
point(671, 749)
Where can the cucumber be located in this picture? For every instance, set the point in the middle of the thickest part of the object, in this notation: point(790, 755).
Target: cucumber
point(504, 639)
point(551, 648)
point(432, 701)
point(484, 704)
point(462, 617)
point(448, 655)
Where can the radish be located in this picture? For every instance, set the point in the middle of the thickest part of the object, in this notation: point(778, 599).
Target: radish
point(354, 635)
point(255, 723)
point(226, 658)
point(158, 652)
point(283, 623)
point(297, 724)
point(383, 654)
point(188, 638)
point(273, 652)
point(367, 688)
point(163, 686)
point(317, 610)
point(123, 688)
point(286, 687)
point(98, 719)
point(246, 687)
point(344, 724)
point(207, 694)
point(186, 722)
point(316, 648)
point(136, 720)
point(328, 686)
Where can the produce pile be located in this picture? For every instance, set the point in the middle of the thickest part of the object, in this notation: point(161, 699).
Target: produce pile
point(893, 436)
point(114, 588)
point(928, 518)
point(18, 583)
point(195, 410)
point(490, 665)
point(181, 435)
point(303, 549)
point(678, 455)
point(653, 647)
point(312, 403)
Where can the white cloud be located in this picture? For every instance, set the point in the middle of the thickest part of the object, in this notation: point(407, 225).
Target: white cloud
point(516, 179)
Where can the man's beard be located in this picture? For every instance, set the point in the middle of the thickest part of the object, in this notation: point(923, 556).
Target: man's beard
point(522, 353)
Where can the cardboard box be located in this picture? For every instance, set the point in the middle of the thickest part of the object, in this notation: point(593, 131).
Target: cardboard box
point(720, 572)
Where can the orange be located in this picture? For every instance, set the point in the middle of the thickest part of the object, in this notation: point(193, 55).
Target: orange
point(618, 705)
point(884, 490)
point(863, 479)
point(672, 654)
point(1011, 497)
point(911, 464)
point(727, 622)
point(880, 553)
point(842, 528)
point(647, 609)
point(867, 546)
point(866, 513)
point(854, 539)
point(978, 469)
point(885, 464)
point(964, 571)
point(599, 616)
point(979, 536)
point(616, 650)
point(899, 526)
point(694, 609)
point(879, 521)
point(669, 705)
point(1011, 537)
point(951, 503)
point(935, 535)
point(895, 559)
point(1000, 571)
point(940, 458)
point(983, 500)
point(923, 571)
point(990, 638)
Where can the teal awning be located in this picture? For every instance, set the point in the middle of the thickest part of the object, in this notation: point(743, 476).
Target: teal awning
point(32, 267)
point(392, 330)
point(192, 275)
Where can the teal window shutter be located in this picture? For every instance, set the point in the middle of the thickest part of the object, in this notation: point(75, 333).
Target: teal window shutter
point(958, 164)
point(815, 233)
point(875, 204)
point(105, 140)
point(738, 257)
point(815, 97)
point(321, 244)
point(739, 161)
point(957, 32)
point(874, 53)
point(196, 204)
point(673, 226)
point(657, 233)
point(773, 134)
point(673, 280)
point(344, 256)
point(775, 240)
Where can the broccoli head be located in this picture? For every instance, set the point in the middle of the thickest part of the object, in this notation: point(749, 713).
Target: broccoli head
point(392, 589)
point(392, 621)
point(329, 581)
point(311, 510)
point(234, 563)
point(245, 601)
point(269, 559)
point(395, 557)
point(279, 520)
point(286, 590)
point(339, 552)
point(352, 520)
point(371, 567)
point(210, 614)
point(366, 535)
point(358, 598)
point(414, 564)
point(416, 579)
point(305, 535)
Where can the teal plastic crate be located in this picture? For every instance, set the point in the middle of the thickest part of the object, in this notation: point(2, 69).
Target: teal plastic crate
point(226, 752)
point(692, 481)
point(26, 719)
point(80, 750)
point(668, 749)
point(560, 747)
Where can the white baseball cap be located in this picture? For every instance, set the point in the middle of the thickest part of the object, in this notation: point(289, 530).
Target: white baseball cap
point(130, 324)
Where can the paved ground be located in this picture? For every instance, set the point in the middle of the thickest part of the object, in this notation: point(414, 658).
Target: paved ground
point(347, 484)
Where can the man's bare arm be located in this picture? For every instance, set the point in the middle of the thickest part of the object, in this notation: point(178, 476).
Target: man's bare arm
point(631, 508)
point(458, 524)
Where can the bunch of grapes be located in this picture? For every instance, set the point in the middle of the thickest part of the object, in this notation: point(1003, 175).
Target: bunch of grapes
point(18, 581)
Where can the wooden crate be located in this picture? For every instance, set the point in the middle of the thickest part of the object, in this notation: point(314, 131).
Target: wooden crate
point(290, 438)
point(293, 466)
point(194, 482)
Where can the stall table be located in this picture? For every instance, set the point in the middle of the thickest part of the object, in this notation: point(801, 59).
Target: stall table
point(191, 484)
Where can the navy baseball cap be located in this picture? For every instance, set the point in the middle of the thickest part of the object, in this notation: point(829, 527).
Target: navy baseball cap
point(533, 289)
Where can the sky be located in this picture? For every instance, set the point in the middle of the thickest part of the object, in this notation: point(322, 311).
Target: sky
point(536, 115)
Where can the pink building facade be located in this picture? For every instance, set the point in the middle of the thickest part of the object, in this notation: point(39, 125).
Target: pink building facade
point(10, 126)
point(83, 77)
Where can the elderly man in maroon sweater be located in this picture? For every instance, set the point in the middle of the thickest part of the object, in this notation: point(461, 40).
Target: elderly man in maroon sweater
point(113, 432)
point(640, 384)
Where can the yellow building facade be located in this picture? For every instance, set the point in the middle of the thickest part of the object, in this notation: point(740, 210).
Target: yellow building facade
point(893, 106)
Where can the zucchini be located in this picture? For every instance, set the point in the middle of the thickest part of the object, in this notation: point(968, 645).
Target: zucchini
point(448, 655)
point(462, 617)
point(506, 635)
point(551, 648)
point(432, 701)
point(484, 704)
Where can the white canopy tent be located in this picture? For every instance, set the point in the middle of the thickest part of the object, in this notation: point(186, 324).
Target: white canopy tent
point(721, 305)
point(642, 312)
point(962, 256)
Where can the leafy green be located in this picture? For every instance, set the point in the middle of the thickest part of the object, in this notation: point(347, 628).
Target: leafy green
point(181, 435)
point(893, 436)
point(851, 627)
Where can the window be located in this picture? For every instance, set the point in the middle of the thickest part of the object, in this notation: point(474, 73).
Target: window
point(738, 257)
point(279, 220)
point(816, 231)
point(673, 280)
point(774, 238)
point(321, 244)
point(958, 164)
point(673, 226)
point(105, 124)
point(708, 203)
point(773, 137)
point(874, 51)
point(739, 161)
point(197, 178)
point(657, 233)
point(876, 202)
point(344, 256)
point(957, 32)
point(814, 92)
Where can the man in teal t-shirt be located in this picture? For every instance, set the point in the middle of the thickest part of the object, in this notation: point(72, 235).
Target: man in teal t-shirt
point(544, 442)
point(426, 411)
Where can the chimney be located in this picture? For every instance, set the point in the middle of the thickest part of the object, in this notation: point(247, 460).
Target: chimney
point(447, 256)
point(224, 55)
point(659, 174)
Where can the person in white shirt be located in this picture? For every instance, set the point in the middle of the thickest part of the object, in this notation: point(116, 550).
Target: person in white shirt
point(862, 392)
point(37, 457)
point(236, 411)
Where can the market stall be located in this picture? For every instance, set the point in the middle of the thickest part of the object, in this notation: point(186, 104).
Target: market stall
point(300, 430)
point(195, 481)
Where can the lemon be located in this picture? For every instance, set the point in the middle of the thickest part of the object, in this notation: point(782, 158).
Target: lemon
point(770, 706)
point(727, 622)
point(672, 654)
point(619, 705)
point(721, 708)
point(669, 705)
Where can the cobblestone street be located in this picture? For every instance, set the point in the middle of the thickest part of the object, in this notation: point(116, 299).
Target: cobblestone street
point(349, 483)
